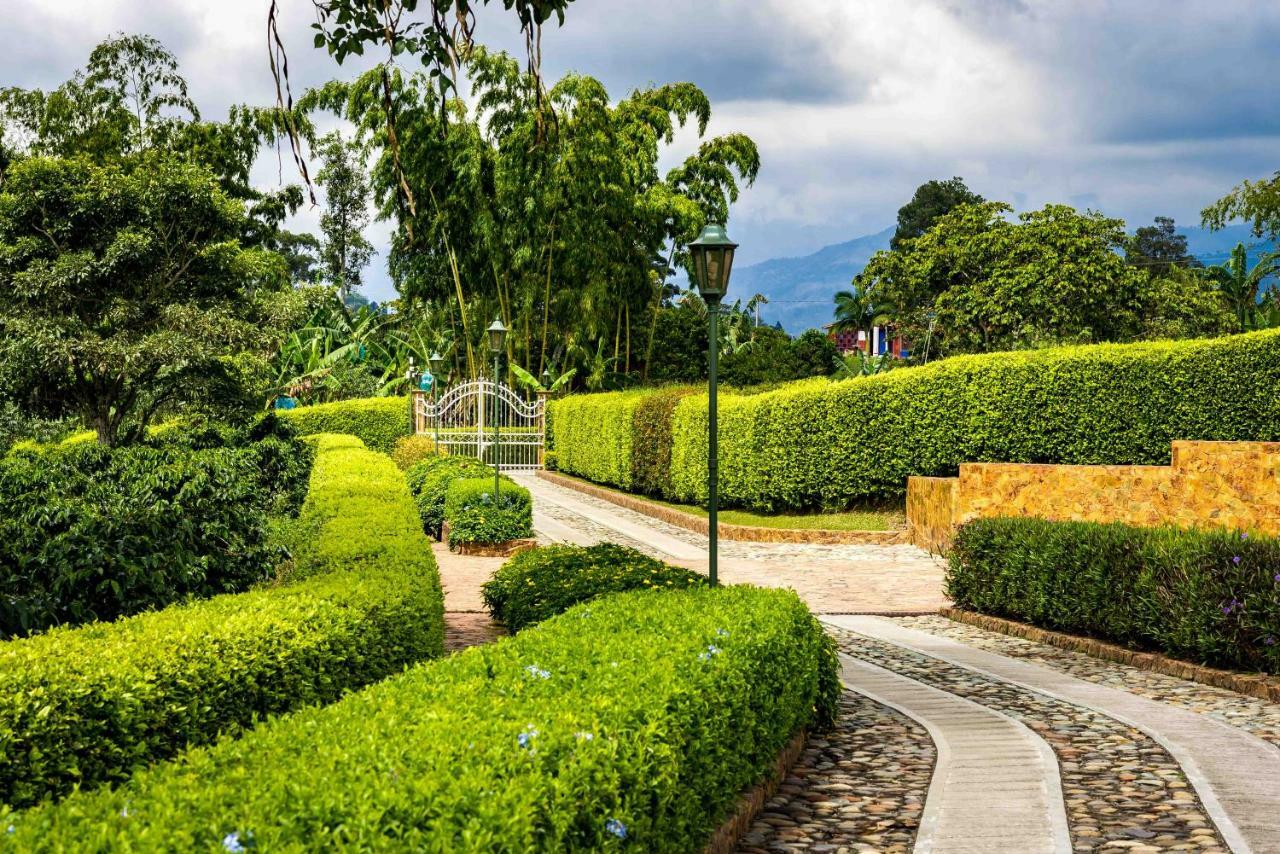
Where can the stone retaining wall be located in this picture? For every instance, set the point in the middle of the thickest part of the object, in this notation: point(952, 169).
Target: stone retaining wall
point(1232, 485)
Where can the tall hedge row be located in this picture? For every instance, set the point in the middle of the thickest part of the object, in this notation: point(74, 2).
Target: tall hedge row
point(376, 421)
point(817, 443)
point(632, 722)
point(88, 705)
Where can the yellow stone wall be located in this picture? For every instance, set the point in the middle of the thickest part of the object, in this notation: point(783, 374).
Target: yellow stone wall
point(1232, 485)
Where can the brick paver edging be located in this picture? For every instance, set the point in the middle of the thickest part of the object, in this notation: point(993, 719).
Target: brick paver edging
point(751, 802)
point(1251, 684)
point(746, 533)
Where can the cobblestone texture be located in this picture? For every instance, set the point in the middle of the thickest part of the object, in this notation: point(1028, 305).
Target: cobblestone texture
point(859, 788)
point(1123, 792)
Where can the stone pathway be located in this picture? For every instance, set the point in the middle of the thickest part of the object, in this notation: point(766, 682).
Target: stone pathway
point(466, 622)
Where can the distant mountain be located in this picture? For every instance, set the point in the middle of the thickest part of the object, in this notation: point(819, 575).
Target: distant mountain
point(801, 291)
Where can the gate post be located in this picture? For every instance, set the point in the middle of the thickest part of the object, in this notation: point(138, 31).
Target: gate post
point(543, 396)
point(419, 416)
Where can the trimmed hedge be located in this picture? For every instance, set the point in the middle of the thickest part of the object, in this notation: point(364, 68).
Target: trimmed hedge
point(653, 442)
point(542, 582)
point(376, 421)
point(635, 723)
point(476, 515)
point(429, 482)
point(411, 450)
point(89, 705)
point(1209, 596)
point(821, 444)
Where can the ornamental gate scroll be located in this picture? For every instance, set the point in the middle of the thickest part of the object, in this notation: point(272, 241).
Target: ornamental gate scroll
point(466, 414)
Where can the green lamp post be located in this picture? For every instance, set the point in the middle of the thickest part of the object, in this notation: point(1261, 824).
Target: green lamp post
point(436, 361)
point(712, 261)
point(497, 335)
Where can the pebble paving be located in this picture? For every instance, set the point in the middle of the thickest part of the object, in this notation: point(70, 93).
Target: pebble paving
point(860, 788)
point(1257, 716)
point(1123, 791)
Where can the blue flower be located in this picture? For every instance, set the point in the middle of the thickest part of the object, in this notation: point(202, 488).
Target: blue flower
point(583, 736)
point(525, 739)
point(1244, 535)
point(1236, 560)
point(124, 813)
point(10, 830)
point(1269, 640)
point(616, 827)
point(231, 842)
point(721, 633)
point(535, 670)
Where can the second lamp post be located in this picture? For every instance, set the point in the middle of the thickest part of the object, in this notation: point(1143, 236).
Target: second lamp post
point(712, 261)
point(497, 335)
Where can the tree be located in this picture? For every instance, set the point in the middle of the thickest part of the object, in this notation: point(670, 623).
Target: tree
point(1159, 248)
point(932, 200)
point(1184, 303)
point(815, 353)
point(1240, 284)
point(122, 289)
point(344, 251)
point(857, 312)
point(1256, 202)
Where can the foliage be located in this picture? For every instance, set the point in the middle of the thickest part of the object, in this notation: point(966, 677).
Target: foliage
point(1205, 595)
point(820, 444)
point(643, 716)
point(543, 582)
point(815, 353)
point(651, 446)
point(1256, 202)
point(345, 251)
point(858, 364)
point(1184, 303)
point(411, 450)
point(475, 514)
point(377, 421)
point(858, 312)
point(679, 351)
point(93, 533)
point(932, 200)
point(1240, 284)
point(1159, 249)
point(429, 482)
point(89, 705)
point(766, 357)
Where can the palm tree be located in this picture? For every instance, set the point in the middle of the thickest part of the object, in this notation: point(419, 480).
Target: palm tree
point(857, 312)
point(1240, 284)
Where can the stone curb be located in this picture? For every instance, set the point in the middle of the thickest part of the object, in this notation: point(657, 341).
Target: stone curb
point(751, 802)
point(1256, 685)
point(742, 533)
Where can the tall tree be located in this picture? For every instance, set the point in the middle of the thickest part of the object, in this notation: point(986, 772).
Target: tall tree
point(931, 201)
point(1240, 284)
point(344, 250)
point(121, 291)
point(1256, 202)
point(1159, 248)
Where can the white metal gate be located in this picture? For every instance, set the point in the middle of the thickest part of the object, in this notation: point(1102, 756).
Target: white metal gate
point(466, 415)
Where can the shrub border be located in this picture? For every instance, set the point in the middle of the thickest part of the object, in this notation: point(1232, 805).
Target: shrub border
point(751, 802)
point(742, 533)
point(1256, 685)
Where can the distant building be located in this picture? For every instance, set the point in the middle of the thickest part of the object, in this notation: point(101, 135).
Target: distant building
point(883, 342)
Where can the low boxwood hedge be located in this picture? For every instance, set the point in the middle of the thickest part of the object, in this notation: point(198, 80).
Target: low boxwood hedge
point(543, 582)
point(376, 421)
point(634, 721)
point(89, 705)
point(429, 482)
point(1209, 596)
point(820, 444)
point(476, 515)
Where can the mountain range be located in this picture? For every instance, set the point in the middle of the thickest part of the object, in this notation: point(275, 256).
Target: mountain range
point(801, 290)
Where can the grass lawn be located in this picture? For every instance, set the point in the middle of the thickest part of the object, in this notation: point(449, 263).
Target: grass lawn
point(888, 518)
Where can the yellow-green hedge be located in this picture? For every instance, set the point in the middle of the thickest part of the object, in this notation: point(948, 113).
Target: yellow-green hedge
point(88, 705)
point(817, 443)
point(376, 421)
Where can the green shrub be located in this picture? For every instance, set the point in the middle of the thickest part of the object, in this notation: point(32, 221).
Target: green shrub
point(476, 515)
point(95, 533)
point(376, 421)
point(429, 482)
point(88, 705)
point(1205, 595)
point(411, 450)
point(543, 582)
point(819, 444)
point(651, 449)
point(645, 714)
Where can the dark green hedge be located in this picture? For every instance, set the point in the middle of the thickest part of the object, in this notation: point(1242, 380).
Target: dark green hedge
point(376, 421)
point(1210, 596)
point(89, 705)
point(653, 441)
point(546, 581)
point(476, 515)
point(429, 482)
point(632, 723)
point(823, 444)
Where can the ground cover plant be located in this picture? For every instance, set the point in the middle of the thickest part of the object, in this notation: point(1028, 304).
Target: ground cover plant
point(632, 721)
point(1209, 596)
point(817, 444)
point(542, 582)
point(89, 705)
point(476, 514)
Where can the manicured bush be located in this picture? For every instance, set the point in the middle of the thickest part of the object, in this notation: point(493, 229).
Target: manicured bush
point(651, 448)
point(411, 450)
point(819, 444)
point(543, 582)
point(1211, 596)
point(633, 722)
point(376, 421)
point(475, 515)
point(89, 705)
point(429, 482)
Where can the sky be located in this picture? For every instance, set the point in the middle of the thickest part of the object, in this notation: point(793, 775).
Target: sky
point(1137, 108)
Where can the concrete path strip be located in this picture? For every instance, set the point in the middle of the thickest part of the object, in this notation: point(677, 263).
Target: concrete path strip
point(995, 786)
point(1236, 774)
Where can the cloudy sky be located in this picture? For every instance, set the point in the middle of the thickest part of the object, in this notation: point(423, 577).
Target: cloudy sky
point(1135, 107)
